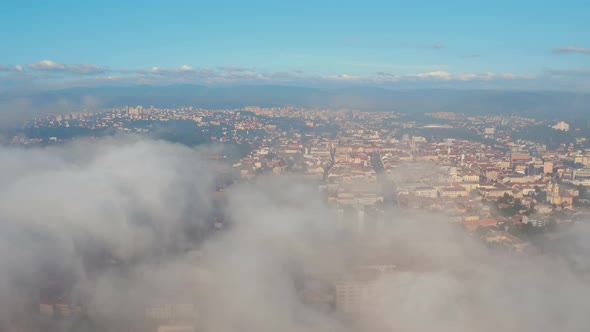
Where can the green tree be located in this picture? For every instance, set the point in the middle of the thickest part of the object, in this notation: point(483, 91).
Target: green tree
point(505, 199)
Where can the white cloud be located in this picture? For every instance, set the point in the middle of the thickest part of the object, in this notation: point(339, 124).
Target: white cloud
point(83, 68)
point(433, 76)
point(47, 65)
point(163, 71)
point(121, 227)
point(439, 74)
point(8, 68)
point(233, 68)
point(86, 68)
point(342, 77)
point(50, 72)
point(572, 49)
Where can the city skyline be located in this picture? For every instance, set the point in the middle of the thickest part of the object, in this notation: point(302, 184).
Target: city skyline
point(390, 44)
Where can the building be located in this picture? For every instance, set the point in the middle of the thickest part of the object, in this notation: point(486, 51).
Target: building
point(519, 157)
point(537, 222)
point(357, 291)
point(426, 191)
point(470, 177)
point(454, 192)
point(548, 167)
point(557, 196)
point(475, 223)
point(583, 173)
point(562, 125)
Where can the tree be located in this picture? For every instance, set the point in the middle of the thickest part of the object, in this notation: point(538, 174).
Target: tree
point(517, 204)
point(505, 199)
point(582, 191)
point(531, 209)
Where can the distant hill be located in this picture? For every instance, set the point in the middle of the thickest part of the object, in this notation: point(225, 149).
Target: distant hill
point(542, 104)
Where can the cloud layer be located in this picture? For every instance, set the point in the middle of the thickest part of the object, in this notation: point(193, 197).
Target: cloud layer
point(83, 69)
point(60, 74)
point(122, 226)
point(51, 75)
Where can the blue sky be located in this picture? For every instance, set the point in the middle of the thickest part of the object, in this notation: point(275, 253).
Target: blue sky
point(534, 44)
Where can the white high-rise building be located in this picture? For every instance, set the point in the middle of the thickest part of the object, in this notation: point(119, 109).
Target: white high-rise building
point(562, 125)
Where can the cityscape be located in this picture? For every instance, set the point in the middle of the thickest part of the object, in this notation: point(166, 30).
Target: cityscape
point(471, 172)
point(181, 166)
point(472, 168)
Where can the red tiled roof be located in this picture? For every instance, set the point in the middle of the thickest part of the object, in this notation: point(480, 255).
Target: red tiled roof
point(481, 222)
